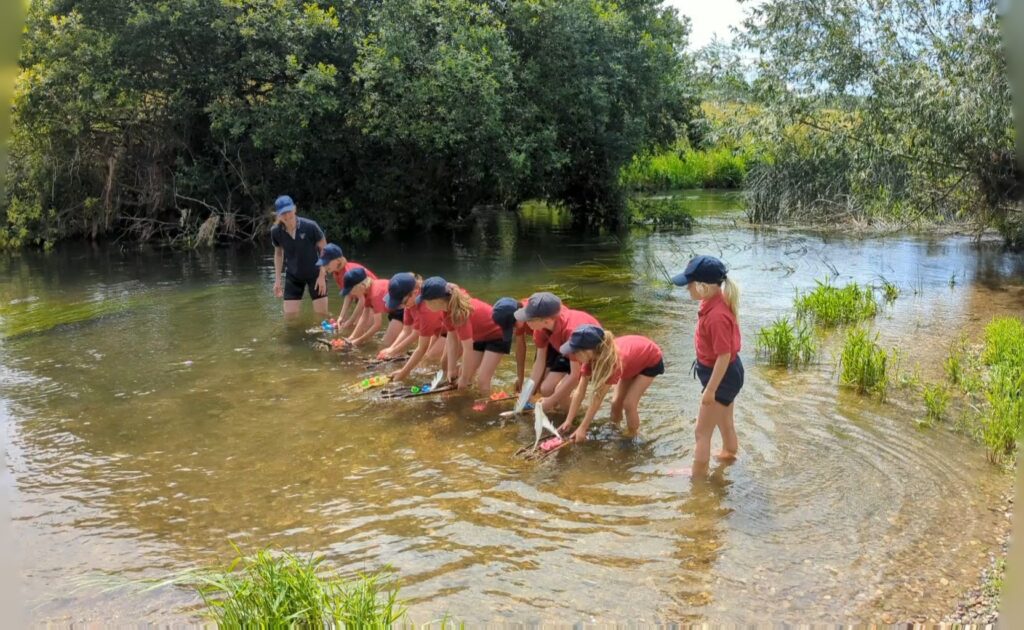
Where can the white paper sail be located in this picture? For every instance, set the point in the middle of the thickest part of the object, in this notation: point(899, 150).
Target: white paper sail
point(437, 380)
point(524, 396)
point(541, 422)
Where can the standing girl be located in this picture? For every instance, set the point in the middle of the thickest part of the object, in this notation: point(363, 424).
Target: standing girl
point(718, 365)
point(631, 361)
point(358, 284)
point(482, 341)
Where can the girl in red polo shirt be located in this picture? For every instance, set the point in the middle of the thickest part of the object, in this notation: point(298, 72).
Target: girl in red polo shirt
point(472, 332)
point(358, 284)
point(718, 365)
point(418, 322)
point(333, 261)
point(552, 324)
point(629, 362)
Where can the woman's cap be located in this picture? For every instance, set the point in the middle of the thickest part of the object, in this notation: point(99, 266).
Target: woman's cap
point(399, 288)
point(504, 315)
point(539, 306)
point(284, 205)
point(331, 252)
point(434, 288)
point(353, 276)
point(707, 269)
point(585, 337)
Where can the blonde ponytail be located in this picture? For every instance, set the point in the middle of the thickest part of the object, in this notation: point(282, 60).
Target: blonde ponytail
point(603, 365)
point(459, 305)
point(731, 290)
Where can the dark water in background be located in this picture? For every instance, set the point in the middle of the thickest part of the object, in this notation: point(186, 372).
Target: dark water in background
point(156, 408)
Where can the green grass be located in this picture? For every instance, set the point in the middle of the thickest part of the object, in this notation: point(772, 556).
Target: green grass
point(284, 590)
point(682, 167)
point(936, 402)
point(863, 364)
point(1002, 422)
point(786, 343)
point(828, 305)
point(663, 212)
point(889, 291)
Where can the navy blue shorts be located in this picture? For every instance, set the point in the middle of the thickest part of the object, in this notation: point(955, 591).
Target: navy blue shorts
point(731, 383)
point(396, 315)
point(493, 345)
point(295, 287)
point(655, 370)
point(556, 362)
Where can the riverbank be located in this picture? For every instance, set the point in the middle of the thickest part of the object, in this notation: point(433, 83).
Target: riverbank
point(979, 606)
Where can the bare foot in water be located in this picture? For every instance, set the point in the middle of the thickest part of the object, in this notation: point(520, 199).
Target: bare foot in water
point(725, 456)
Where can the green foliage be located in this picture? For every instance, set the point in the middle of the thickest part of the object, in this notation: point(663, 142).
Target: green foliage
point(889, 291)
point(786, 343)
point(184, 119)
point(659, 212)
point(936, 400)
point(889, 111)
point(828, 305)
point(283, 590)
point(686, 168)
point(864, 365)
point(1004, 342)
point(1003, 420)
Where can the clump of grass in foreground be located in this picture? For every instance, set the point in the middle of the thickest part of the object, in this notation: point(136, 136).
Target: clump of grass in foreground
point(863, 364)
point(283, 590)
point(786, 344)
point(666, 212)
point(830, 306)
point(889, 291)
point(1002, 423)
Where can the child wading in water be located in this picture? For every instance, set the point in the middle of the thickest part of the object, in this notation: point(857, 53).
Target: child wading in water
point(718, 365)
point(632, 361)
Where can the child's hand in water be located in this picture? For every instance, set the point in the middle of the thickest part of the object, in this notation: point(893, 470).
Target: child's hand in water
point(565, 427)
point(383, 355)
point(579, 436)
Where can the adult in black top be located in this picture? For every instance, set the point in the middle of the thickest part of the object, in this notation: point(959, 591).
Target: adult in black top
point(297, 246)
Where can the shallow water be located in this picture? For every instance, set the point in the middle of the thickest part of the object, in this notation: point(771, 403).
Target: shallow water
point(155, 409)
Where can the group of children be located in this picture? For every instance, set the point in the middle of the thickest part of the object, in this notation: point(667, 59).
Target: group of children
point(469, 337)
point(574, 352)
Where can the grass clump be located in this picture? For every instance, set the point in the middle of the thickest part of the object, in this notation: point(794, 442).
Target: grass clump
point(1002, 422)
point(889, 291)
point(863, 364)
point(283, 590)
point(936, 401)
point(786, 344)
point(659, 212)
point(829, 305)
point(682, 167)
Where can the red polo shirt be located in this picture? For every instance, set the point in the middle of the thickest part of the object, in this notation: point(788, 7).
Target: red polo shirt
point(636, 354)
point(374, 297)
point(479, 326)
point(423, 320)
point(339, 276)
point(717, 331)
point(566, 322)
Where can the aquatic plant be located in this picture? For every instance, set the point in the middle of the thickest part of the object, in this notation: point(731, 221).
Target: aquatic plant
point(786, 343)
point(1004, 342)
point(829, 305)
point(283, 590)
point(863, 364)
point(1002, 422)
point(936, 401)
point(659, 212)
point(682, 167)
point(889, 291)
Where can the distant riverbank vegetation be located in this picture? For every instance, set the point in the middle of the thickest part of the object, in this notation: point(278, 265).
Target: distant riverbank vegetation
point(182, 121)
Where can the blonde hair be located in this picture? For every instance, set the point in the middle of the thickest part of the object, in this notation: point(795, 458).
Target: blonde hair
point(730, 291)
point(604, 364)
point(459, 305)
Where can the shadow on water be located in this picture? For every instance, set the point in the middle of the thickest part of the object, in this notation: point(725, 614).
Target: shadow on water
point(144, 438)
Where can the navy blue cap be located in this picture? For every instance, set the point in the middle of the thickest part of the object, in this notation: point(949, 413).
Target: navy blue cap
point(504, 315)
point(353, 276)
point(399, 288)
point(585, 337)
point(331, 252)
point(707, 269)
point(540, 305)
point(434, 288)
point(284, 204)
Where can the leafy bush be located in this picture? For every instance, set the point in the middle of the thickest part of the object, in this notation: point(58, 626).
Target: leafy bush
point(830, 306)
point(1003, 420)
point(659, 212)
point(936, 401)
point(786, 344)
